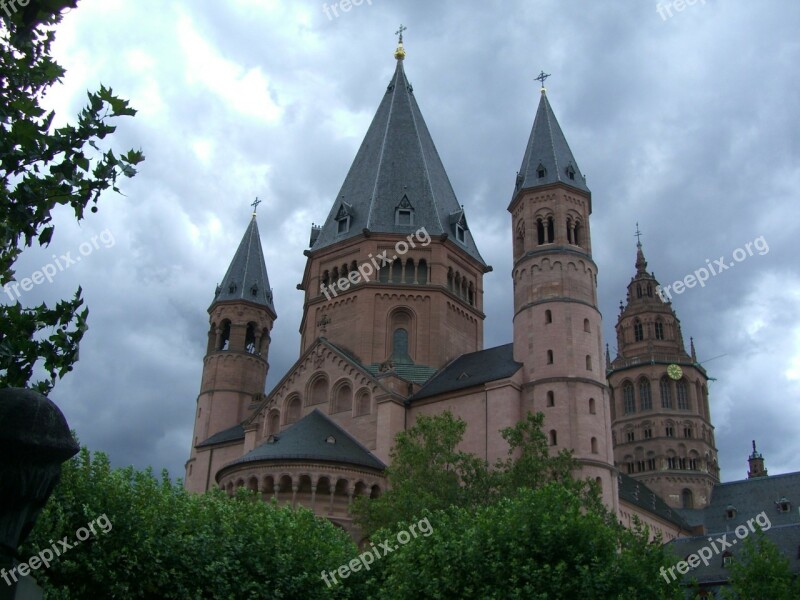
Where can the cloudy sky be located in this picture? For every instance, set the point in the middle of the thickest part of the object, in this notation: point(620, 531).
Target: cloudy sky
point(685, 121)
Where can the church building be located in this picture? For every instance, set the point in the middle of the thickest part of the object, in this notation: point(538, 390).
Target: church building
point(392, 329)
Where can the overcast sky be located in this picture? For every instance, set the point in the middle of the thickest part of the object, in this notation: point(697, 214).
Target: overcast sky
point(686, 123)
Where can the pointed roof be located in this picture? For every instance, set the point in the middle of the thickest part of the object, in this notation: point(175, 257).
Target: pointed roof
point(547, 158)
point(397, 166)
point(315, 437)
point(246, 278)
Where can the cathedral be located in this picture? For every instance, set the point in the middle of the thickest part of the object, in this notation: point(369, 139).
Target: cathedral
point(392, 329)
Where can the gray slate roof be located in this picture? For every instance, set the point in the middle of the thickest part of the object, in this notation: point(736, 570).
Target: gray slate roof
point(233, 434)
point(548, 147)
point(468, 370)
point(307, 440)
point(749, 498)
point(246, 278)
point(396, 163)
point(638, 494)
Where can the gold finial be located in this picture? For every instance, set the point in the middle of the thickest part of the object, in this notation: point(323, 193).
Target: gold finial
point(400, 52)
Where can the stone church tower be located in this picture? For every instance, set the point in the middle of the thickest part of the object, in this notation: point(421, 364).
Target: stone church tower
point(557, 325)
point(235, 366)
point(663, 435)
point(394, 275)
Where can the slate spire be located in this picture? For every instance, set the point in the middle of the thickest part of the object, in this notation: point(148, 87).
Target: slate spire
point(246, 278)
point(548, 159)
point(397, 182)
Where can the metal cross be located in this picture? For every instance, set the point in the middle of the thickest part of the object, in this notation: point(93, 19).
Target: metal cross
point(638, 235)
point(255, 204)
point(542, 76)
point(400, 33)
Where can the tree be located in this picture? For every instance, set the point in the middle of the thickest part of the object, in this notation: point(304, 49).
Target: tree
point(428, 472)
point(42, 167)
point(761, 572)
point(153, 539)
point(542, 544)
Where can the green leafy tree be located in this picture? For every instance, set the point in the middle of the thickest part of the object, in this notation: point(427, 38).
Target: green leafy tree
point(43, 167)
point(761, 572)
point(161, 541)
point(542, 544)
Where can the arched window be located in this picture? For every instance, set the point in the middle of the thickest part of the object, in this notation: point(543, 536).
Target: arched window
point(363, 403)
point(422, 271)
point(319, 391)
point(409, 272)
point(342, 398)
point(549, 357)
point(383, 273)
point(553, 437)
point(397, 270)
point(592, 409)
point(577, 234)
point(470, 294)
point(548, 316)
point(400, 343)
point(594, 445)
point(638, 290)
point(638, 331)
point(551, 236)
point(628, 400)
point(683, 394)
point(293, 410)
point(450, 279)
point(645, 398)
point(250, 339)
point(540, 232)
point(225, 336)
point(588, 362)
point(665, 387)
point(274, 423)
point(659, 330)
point(551, 399)
point(586, 327)
point(687, 499)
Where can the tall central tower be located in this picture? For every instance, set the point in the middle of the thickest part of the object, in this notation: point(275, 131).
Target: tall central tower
point(557, 325)
point(393, 275)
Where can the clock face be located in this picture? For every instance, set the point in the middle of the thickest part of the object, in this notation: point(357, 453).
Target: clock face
point(675, 372)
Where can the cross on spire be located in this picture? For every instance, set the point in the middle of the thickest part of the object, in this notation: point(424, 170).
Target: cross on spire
point(255, 204)
point(542, 77)
point(400, 33)
point(638, 235)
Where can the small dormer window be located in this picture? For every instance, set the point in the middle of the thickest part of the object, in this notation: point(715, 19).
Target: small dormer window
point(570, 172)
point(730, 512)
point(404, 212)
point(343, 225)
point(727, 559)
point(404, 216)
point(784, 505)
point(541, 172)
point(330, 440)
point(254, 290)
point(460, 233)
point(232, 288)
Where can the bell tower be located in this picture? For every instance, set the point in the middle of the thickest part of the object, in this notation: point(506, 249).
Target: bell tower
point(663, 435)
point(235, 365)
point(557, 325)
